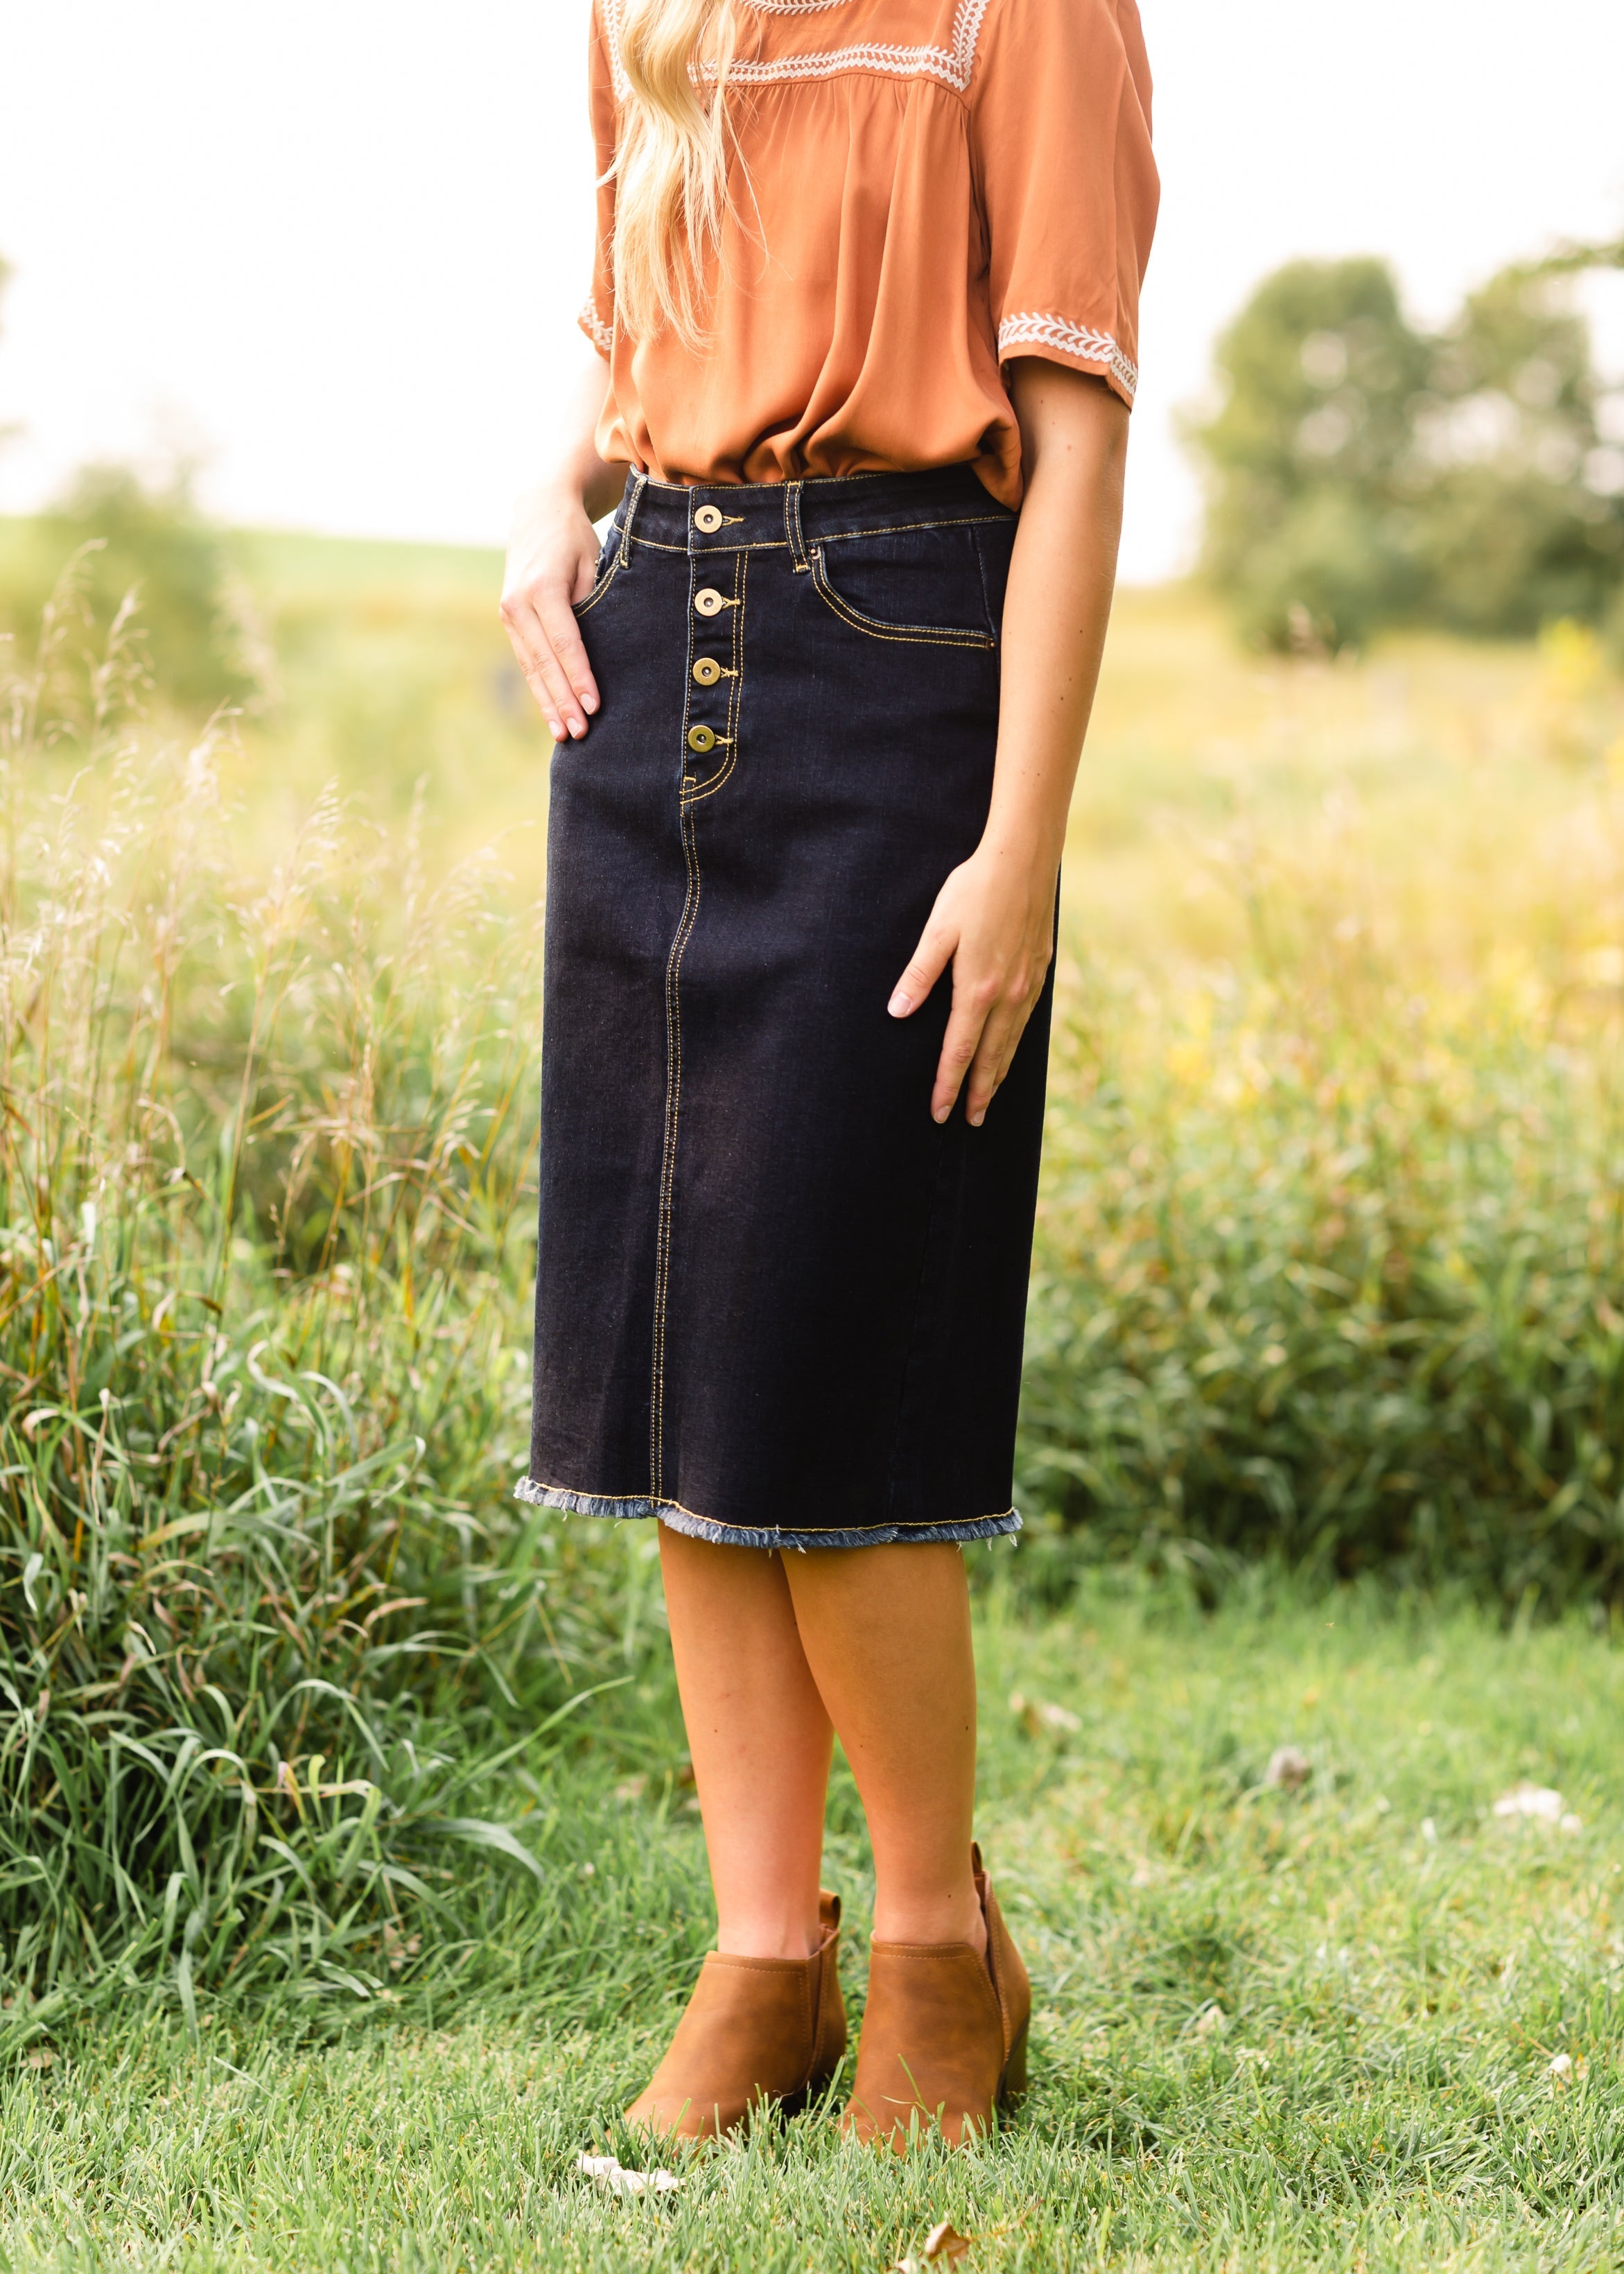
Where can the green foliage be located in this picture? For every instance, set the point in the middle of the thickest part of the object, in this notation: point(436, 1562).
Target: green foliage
point(146, 562)
point(1362, 472)
point(263, 1164)
point(1333, 1280)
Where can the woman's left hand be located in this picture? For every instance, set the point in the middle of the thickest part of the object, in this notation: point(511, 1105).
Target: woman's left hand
point(994, 922)
point(994, 919)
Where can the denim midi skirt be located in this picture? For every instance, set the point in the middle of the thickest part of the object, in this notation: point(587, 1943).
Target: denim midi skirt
point(777, 1304)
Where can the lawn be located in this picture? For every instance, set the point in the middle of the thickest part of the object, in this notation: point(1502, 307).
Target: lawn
point(1365, 2023)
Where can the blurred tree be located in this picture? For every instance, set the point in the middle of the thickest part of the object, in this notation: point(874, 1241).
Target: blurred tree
point(1360, 471)
point(190, 631)
point(1522, 525)
point(1309, 520)
point(156, 543)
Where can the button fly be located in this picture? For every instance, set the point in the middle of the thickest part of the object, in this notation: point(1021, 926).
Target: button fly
point(707, 671)
point(708, 518)
point(709, 601)
point(700, 739)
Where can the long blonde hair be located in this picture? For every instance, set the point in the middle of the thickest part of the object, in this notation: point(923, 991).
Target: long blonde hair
point(671, 164)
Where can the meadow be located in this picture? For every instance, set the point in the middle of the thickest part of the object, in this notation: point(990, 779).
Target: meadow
point(347, 1870)
point(1362, 2024)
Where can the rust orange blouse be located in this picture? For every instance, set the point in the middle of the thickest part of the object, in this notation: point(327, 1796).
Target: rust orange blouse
point(922, 190)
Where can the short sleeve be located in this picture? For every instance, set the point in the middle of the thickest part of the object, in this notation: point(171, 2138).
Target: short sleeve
point(1060, 137)
point(597, 318)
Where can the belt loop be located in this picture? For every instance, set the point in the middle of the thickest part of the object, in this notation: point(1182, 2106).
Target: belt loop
point(792, 527)
point(640, 482)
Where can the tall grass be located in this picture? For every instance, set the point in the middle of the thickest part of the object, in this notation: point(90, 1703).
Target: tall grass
point(264, 1182)
point(1337, 1284)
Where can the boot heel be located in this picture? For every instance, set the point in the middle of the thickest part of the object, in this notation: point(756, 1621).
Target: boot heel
point(1012, 2084)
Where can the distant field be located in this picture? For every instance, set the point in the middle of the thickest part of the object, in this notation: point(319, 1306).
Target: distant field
point(291, 565)
point(1436, 781)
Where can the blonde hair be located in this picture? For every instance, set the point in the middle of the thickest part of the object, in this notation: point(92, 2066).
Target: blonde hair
point(671, 165)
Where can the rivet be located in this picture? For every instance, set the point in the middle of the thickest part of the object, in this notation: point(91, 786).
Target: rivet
point(700, 739)
point(707, 671)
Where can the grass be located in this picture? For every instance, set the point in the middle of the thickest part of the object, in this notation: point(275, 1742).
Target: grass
point(1274, 2030)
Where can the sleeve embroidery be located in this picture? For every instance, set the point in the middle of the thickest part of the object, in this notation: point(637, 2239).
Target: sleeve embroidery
point(593, 325)
point(1033, 330)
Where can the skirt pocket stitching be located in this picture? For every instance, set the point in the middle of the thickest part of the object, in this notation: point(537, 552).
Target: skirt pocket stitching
point(913, 528)
point(981, 570)
point(579, 608)
point(904, 635)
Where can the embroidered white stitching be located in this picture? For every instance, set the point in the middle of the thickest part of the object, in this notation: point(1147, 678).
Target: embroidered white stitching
point(793, 7)
point(593, 325)
point(952, 67)
point(1033, 328)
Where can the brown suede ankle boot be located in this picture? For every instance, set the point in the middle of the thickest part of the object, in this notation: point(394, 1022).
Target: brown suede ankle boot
point(944, 2035)
point(756, 2031)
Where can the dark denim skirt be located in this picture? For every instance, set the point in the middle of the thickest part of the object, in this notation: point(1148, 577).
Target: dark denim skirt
point(776, 1304)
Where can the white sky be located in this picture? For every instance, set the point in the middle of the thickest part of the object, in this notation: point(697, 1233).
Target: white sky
point(334, 246)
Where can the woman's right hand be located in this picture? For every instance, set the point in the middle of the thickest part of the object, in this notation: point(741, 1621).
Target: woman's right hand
point(551, 559)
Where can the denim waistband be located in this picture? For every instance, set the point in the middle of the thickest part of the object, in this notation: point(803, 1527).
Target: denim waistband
point(735, 516)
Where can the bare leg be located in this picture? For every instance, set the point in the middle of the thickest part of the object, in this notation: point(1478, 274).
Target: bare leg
point(886, 1633)
point(760, 1738)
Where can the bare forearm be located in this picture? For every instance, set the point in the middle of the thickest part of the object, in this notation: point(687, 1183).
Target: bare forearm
point(1058, 602)
point(572, 468)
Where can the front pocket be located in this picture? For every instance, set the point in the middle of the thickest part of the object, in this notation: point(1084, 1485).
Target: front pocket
point(863, 620)
point(605, 577)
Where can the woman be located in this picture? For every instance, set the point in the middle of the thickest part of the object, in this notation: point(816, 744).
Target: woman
point(864, 311)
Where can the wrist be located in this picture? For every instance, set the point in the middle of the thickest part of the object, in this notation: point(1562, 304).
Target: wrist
point(1017, 846)
point(561, 493)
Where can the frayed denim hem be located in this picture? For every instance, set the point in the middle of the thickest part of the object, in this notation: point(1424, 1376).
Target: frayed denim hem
point(733, 1535)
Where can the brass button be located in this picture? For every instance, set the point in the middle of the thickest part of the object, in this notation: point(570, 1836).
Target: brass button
point(700, 739)
point(708, 518)
point(707, 671)
point(709, 601)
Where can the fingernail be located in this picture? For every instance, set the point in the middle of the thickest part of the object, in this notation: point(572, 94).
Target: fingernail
point(588, 703)
point(900, 1005)
point(939, 1113)
point(976, 1119)
point(554, 729)
point(577, 727)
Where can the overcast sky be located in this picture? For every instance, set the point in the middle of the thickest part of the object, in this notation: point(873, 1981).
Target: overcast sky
point(333, 247)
